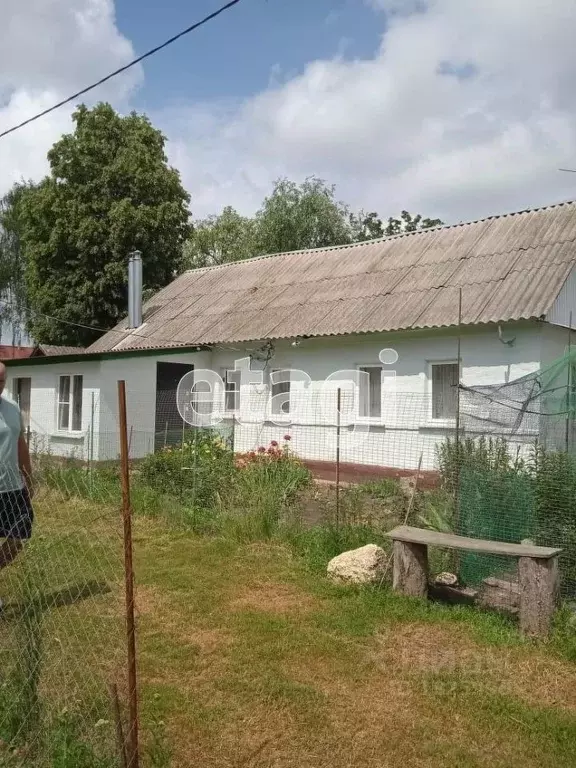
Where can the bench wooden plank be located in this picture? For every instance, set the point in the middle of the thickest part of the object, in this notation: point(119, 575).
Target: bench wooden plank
point(452, 541)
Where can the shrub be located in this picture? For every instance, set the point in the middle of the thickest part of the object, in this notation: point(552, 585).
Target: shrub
point(554, 476)
point(196, 470)
point(276, 466)
point(265, 484)
point(487, 455)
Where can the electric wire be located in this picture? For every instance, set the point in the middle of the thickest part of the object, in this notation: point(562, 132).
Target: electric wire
point(120, 70)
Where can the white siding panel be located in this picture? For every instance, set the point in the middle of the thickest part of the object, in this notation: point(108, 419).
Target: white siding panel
point(565, 303)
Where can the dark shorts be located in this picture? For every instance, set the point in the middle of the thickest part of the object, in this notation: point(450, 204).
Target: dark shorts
point(16, 515)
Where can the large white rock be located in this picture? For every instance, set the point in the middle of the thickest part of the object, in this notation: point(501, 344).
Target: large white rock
point(366, 565)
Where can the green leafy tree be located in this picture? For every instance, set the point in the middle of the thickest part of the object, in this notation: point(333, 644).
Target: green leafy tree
point(220, 239)
point(293, 217)
point(296, 217)
point(367, 226)
point(12, 265)
point(109, 191)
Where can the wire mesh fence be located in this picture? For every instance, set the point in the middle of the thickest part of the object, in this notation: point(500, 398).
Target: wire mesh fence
point(500, 458)
point(62, 622)
point(499, 467)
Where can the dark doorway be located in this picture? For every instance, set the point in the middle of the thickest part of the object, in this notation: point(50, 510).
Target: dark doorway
point(169, 424)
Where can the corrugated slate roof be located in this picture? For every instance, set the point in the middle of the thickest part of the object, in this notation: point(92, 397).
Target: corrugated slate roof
point(54, 350)
point(509, 267)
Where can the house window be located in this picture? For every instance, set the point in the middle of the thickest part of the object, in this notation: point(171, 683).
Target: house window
point(280, 391)
point(22, 391)
point(371, 392)
point(231, 390)
point(70, 403)
point(444, 390)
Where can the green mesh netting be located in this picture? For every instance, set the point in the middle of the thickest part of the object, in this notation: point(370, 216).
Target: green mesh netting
point(516, 473)
point(493, 505)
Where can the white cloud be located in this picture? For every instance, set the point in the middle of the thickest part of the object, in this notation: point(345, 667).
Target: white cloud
point(49, 49)
point(466, 109)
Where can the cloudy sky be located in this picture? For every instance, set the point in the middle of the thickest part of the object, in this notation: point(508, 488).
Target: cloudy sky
point(454, 108)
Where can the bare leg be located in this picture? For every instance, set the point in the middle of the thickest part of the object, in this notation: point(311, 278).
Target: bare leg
point(9, 551)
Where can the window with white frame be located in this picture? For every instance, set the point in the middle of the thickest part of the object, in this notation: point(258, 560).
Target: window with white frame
point(70, 403)
point(444, 377)
point(231, 390)
point(280, 391)
point(370, 391)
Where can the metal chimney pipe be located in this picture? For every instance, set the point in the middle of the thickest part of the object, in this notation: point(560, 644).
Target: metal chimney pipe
point(135, 289)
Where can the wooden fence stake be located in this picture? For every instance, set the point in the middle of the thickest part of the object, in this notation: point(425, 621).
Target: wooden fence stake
point(118, 722)
point(133, 756)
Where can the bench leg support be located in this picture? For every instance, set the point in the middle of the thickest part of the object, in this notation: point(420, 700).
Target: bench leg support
point(410, 575)
point(539, 586)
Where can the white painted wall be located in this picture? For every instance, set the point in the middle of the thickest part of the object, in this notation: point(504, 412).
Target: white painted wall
point(43, 407)
point(404, 431)
point(139, 373)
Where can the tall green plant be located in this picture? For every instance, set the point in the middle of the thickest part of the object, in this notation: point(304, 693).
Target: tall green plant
point(492, 496)
point(481, 454)
point(195, 471)
point(263, 488)
point(554, 475)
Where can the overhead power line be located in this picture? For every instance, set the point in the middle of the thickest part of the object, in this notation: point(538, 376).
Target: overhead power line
point(121, 69)
point(123, 332)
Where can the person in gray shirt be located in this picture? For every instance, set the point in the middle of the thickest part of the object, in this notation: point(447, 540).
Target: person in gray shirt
point(16, 490)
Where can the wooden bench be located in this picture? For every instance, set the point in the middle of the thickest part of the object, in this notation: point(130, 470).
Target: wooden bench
point(537, 570)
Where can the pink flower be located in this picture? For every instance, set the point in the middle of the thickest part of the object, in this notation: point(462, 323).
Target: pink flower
point(274, 443)
point(261, 449)
point(287, 438)
point(252, 455)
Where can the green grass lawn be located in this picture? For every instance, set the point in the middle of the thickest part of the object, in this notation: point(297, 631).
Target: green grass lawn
point(249, 657)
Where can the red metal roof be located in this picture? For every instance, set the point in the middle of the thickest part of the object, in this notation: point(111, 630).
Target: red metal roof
point(8, 352)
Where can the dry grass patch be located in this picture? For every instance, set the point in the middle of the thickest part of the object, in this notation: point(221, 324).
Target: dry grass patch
point(262, 736)
point(527, 672)
point(425, 647)
point(158, 609)
point(275, 598)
